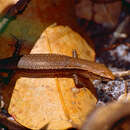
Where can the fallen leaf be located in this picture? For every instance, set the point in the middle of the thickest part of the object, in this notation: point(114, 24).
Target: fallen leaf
point(55, 102)
point(111, 116)
point(29, 25)
point(36, 17)
point(102, 13)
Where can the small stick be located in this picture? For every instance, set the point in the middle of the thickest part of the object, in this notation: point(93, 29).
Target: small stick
point(113, 46)
point(10, 124)
point(118, 32)
point(121, 73)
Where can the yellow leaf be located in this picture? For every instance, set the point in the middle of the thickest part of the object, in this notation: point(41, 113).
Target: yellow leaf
point(55, 102)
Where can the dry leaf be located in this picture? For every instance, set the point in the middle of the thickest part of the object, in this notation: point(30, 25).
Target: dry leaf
point(29, 25)
point(36, 17)
point(55, 102)
point(102, 13)
point(111, 116)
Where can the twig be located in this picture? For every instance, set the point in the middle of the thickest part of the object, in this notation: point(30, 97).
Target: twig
point(121, 73)
point(10, 124)
point(111, 47)
point(118, 32)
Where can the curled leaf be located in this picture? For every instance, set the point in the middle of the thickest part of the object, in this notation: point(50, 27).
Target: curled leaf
point(107, 117)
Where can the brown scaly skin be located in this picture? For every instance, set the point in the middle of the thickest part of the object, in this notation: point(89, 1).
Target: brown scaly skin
point(55, 63)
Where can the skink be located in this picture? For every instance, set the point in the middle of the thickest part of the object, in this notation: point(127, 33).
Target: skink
point(54, 65)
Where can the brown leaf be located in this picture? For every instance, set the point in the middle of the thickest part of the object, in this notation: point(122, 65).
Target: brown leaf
point(55, 102)
point(38, 15)
point(112, 116)
point(102, 13)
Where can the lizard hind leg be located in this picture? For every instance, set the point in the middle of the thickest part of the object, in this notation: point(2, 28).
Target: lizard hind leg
point(77, 81)
point(81, 82)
